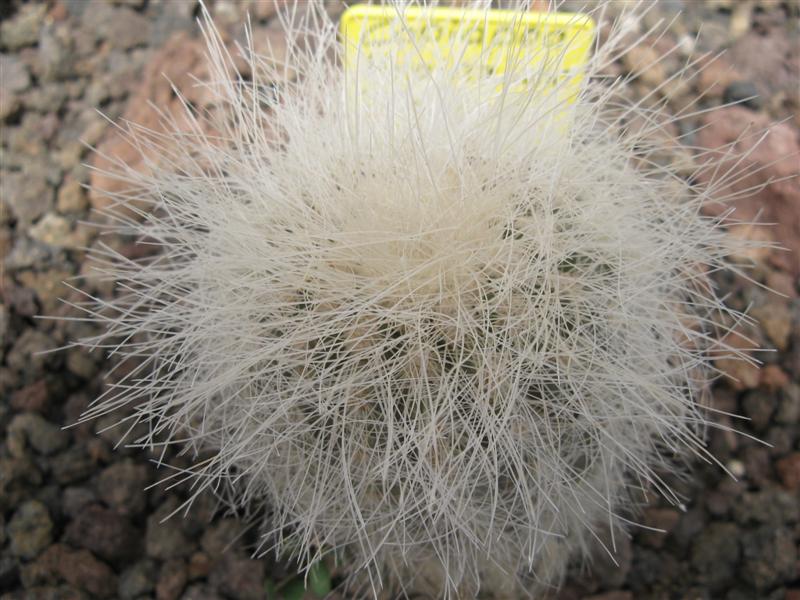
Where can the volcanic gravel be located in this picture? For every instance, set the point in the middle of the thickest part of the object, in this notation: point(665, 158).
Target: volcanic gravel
point(80, 516)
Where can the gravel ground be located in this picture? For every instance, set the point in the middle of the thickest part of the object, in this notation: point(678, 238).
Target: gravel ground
point(76, 517)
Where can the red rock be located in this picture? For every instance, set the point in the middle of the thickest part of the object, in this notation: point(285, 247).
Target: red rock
point(789, 471)
point(182, 62)
point(771, 61)
point(776, 157)
point(180, 57)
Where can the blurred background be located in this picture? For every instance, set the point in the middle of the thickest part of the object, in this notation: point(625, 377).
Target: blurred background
point(77, 518)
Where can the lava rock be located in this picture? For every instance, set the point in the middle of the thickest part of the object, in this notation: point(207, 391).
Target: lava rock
point(16, 77)
point(75, 499)
point(23, 28)
point(165, 540)
point(31, 398)
point(171, 580)
point(645, 62)
point(30, 530)
point(221, 537)
point(788, 412)
point(664, 519)
point(51, 229)
point(9, 572)
point(17, 476)
point(773, 506)
point(80, 569)
point(25, 355)
point(770, 557)
point(104, 532)
point(44, 437)
point(788, 469)
point(238, 577)
point(715, 554)
point(137, 580)
point(71, 198)
point(122, 486)
point(72, 465)
point(28, 194)
point(759, 405)
point(744, 93)
point(201, 592)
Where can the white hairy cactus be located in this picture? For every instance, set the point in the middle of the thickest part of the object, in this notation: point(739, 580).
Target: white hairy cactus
point(437, 324)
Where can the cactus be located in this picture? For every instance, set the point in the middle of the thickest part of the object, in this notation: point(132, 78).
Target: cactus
point(441, 326)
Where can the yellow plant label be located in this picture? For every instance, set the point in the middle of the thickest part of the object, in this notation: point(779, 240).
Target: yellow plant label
point(484, 43)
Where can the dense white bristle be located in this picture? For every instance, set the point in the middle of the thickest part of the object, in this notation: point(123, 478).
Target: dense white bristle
point(441, 326)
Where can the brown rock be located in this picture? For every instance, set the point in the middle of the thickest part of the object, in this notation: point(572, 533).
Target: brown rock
point(171, 580)
point(789, 471)
point(715, 74)
point(27, 194)
point(48, 285)
point(122, 487)
point(80, 363)
point(165, 537)
point(776, 158)
point(776, 320)
point(9, 103)
point(771, 61)
point(265, 10)
point(618, 595)
point(239, 577)
point(760, 239)
point(30, 530)
point(782, 283)
point(32, 398)
point(664, 519)
point(759, 405)
point(21, 299)
point(51, 229)
point(80, 569)
point(26, 353)
point(107, 534)
point(644, 62)
point(758, 465)
point(31, 429)
point(199, 566)
point(741, 375)
point(71, 197)
point(773, 378)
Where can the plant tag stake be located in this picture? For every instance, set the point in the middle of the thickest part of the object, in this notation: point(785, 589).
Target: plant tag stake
point(543, 51)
